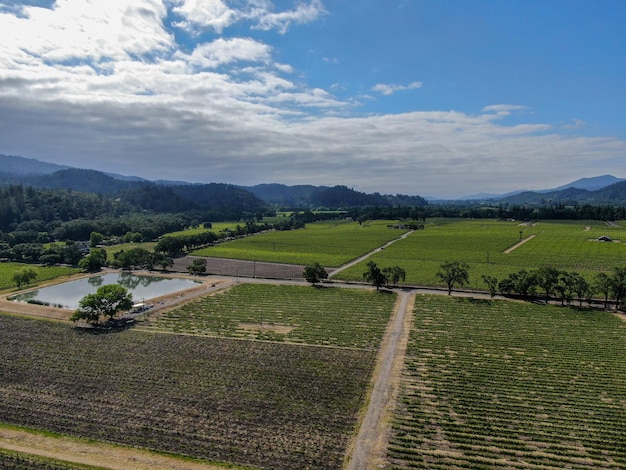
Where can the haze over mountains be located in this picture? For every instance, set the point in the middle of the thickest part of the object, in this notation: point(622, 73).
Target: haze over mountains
point(606, 189)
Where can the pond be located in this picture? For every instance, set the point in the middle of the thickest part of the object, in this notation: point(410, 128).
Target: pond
point(68, 294)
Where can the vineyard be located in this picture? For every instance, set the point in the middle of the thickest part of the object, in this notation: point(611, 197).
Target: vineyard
point(330, 243)
point(507, 385)
point(482, 244)
point(265, 404)
point(17, 461)
point(353, 318)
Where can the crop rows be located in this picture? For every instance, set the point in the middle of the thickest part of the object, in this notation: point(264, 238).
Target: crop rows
point(353, 318)
point(262, 404)
point(17, 461)
point(507, 385)
point(482, 244)
point(331, 243)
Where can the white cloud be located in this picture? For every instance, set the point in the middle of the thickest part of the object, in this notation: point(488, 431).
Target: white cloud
point(201, 14)
point(574, 124)
point(389, 89)
point(104, 85)
point(303, 13)
point(88, 30)
point(224, 51)
point(503, 109)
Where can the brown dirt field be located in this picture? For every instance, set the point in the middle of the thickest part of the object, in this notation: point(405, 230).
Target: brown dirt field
point(90, 453)
point(243, 268)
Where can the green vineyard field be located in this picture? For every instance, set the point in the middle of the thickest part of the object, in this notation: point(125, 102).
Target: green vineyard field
point(509, 385)
point(483, 245)
point(331, 243)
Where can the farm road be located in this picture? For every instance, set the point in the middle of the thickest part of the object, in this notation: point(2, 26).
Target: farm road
point(369, 447)
point(93, 454)
point(367, 255)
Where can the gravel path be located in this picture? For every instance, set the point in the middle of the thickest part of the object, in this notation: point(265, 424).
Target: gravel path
point(368, 450)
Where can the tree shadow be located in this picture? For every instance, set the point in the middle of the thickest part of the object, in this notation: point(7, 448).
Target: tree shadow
point(110, 326)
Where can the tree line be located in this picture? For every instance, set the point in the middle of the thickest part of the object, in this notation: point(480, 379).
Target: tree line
point(547, 282)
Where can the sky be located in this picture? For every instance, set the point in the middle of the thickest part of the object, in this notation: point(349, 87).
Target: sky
point(437, 98)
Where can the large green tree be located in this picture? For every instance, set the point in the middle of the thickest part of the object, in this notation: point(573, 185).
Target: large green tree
point(314, 273)
point(107, 301)
point(618, 286)
point(375, 275)
point(454, 273)
point(394, 274)
point(24, 276)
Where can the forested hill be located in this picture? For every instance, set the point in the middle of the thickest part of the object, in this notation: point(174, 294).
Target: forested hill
point(307, 196)
point(613, 194)
point(76, 194)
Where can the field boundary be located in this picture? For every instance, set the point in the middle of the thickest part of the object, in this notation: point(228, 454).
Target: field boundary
point(102, 455)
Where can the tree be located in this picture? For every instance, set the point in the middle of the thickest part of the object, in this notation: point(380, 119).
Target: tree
point(163, 261)
point(375, 275)
point(492, 284)
point(107, 301)
point(95, 239)
point(314, 273)
point(581, 287)
point(454, 272)
point(94, 260)
point(565, 287)
point(395, 274)
point(618, 286)
point(522, 282)
point(24, 276)
point(547, 278)
point(197, 267)
point(602, 285)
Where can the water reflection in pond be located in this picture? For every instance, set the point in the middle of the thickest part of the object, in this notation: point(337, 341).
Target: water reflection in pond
point(142, 287)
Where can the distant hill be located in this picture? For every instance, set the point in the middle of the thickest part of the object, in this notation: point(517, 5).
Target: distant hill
point(328, 197)
point(615, 194)
point(180, 195)
point(592, 184)
point(584, 190)
point(15, 165)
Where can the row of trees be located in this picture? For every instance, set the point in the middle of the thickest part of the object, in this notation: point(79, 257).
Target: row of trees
point(551, 282)
point(562, 285)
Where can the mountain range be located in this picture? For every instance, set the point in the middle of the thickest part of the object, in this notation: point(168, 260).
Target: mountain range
point(606, 189)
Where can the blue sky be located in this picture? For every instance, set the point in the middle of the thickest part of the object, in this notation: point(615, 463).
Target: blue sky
point(438, 98)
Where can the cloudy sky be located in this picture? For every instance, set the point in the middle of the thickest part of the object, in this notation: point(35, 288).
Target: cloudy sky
point(440, 98)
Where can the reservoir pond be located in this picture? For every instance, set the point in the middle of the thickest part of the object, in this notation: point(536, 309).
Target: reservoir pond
point(68, 294)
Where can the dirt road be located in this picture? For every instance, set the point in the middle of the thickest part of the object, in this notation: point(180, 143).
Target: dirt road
point(99, 455)
point(368, 450)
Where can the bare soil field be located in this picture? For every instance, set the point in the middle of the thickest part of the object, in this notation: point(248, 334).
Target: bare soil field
point(243, 268)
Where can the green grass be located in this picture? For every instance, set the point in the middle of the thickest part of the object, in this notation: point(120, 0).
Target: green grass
point(112, 249)
point(481, 244)
point(44, 273)
point(510, 385)
point(293, 314)
point(330, 243)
